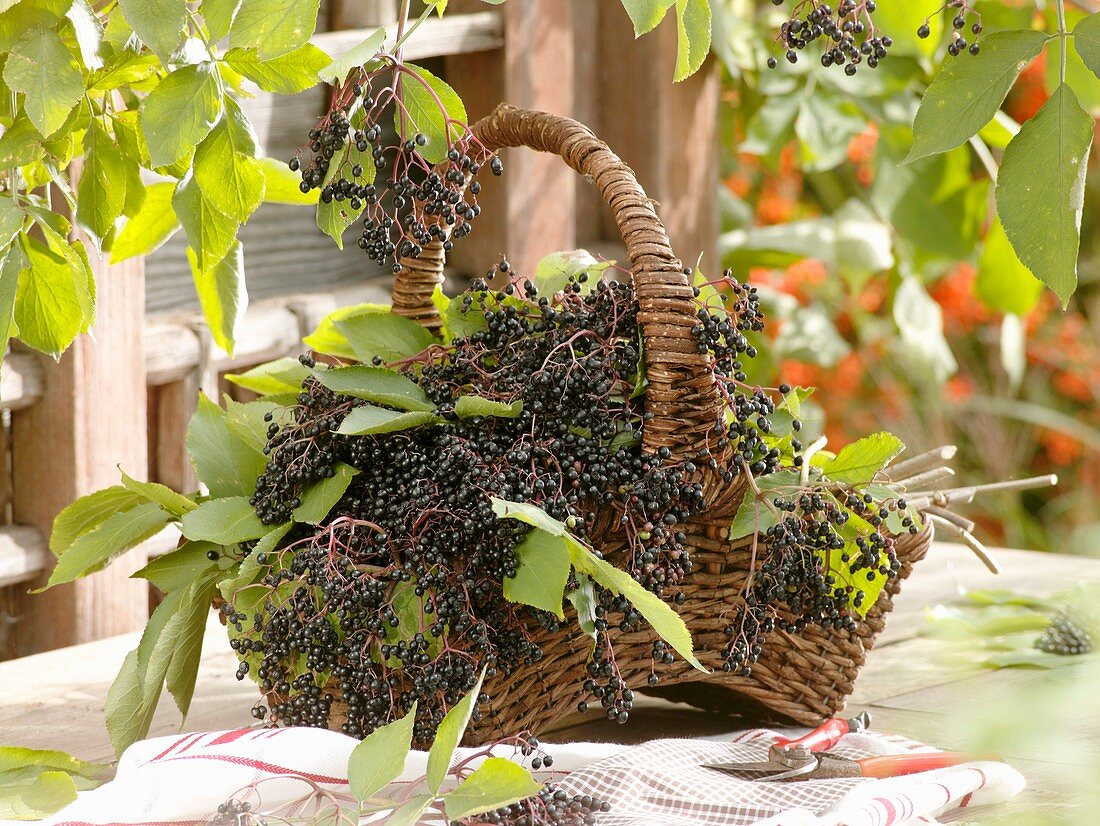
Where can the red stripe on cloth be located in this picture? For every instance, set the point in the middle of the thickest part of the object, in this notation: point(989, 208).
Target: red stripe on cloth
point(261, 765)
point(175, 743)
point(966, 800)
point(230, 736)
point(984, 778)
point(888, 807)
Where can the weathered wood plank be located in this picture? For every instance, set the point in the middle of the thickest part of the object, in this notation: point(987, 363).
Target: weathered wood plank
point(20, 381)
point(23, 554)
point(436, 37)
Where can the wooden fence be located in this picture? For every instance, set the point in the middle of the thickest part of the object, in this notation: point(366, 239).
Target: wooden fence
point(124, 398)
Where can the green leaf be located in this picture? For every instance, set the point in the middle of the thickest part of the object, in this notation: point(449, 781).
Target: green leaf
point(693, 36)
point(662, 618)
point(101, 187)
point(218, 16)
point(175, 503)
point(859, 462)
point(462, 322)
point(52, 301)
point(584, 601)
point(180, 112)
point(449, 735)
point(108, 540)
point(409, 814)
point(825, 125)
point(1086, 40)
point(920, 322)
point(420, 90)
point(247, 419)
point(495, 783)
point(966, 94)
point(273, 27)
point(224, 521)
point(467, 407)
point(225, 463)
point(226, 169)
point(250, 569)
point(50, 792)
point(1004, 284)
point(159, 23)
point(555, 270)
point(42, 68)
point(222, 294)
point(753, 516)
point(286, 75)
point(380, 757)
point(150, 227)
point(123, 69)
point(88, 512)
point(14, 758)
point(646, 14)
point(378, 385)
point(210, 232)
point(335, 217)
point(10, 268)
point(528, 514)
point(353, 58)
point(320, 497)
point(368, 420)
point(542, 569)
point(190, 629)
point(1041, 190)
point(179, 568)
point(377, 331)
point(20, 144)
point(281, 186)
point(273, 378)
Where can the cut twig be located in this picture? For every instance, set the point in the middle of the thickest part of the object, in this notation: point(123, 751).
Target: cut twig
point(943, 498)
point(954, 518)
point(921, 462)
point(979, 550)
point(927, 478)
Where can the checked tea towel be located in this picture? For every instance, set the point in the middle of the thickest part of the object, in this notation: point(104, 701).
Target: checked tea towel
point(181, 780)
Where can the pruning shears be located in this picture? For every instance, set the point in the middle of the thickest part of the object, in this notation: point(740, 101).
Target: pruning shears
point(786, 755)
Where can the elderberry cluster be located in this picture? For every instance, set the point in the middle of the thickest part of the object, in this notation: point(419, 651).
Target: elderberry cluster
point(1066, 635)
point(406, 202)
point(396, 597)
point(959, 43)
point(550, 807)
point(235, 813)
point(848, 33)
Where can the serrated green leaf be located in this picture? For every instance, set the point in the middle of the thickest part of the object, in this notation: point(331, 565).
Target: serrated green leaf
point(378, 385)
point(101, 187)
point(150, 227)
point(175, 503)
point(554, 271)
point(334, 217)
point(52, 301)
point(410, 813)
point(180, 112)
point(528, 514)
point(223, 521)
point(250, 569)
point(45, 71)
point(210, 232)
point(859, 462)
point(320, 497)
point(369, 420)
point(373, 330)
point(1004, 284)
point(449, 735)
point(13, 758)
point(753, 516)
point(88, 512)
point(467, 407)
point(225, 463)
point(542, 569)
point(218, 16)
point(281, 186)
point(358, 55)
point(273, 27)
point(1041, 190)
point(495, 783)
point(246, 419)
point(226, 169)
point(380, 757)
point(423, 93)
point(190, 629)
point(21, 143)
point(693, 36)
point(965, 94)
point(108, 540)
point(11, 266)
point(286, 75)
point(179, 568)
point(159, 23)
point(1086, 40)
point(273, 378)
point(646, 14)
point(222, 294)
point(123, 69)
point(48, 793)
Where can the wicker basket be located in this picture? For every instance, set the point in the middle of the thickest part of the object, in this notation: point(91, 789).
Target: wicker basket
point(800, 677)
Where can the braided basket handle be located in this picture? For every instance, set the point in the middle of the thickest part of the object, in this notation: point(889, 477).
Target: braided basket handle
point(681, 390)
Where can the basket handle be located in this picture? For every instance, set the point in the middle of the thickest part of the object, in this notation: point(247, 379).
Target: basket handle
point(681, 388)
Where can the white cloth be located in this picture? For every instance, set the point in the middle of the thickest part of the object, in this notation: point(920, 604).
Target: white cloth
point(181, 780)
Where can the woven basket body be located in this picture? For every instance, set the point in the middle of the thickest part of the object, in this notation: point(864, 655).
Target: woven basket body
point(800, 677)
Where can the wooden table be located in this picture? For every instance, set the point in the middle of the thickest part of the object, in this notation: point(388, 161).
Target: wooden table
point(55, 700)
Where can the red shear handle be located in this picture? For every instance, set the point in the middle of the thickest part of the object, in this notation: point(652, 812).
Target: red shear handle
point(822, 738)
point(895, 765)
